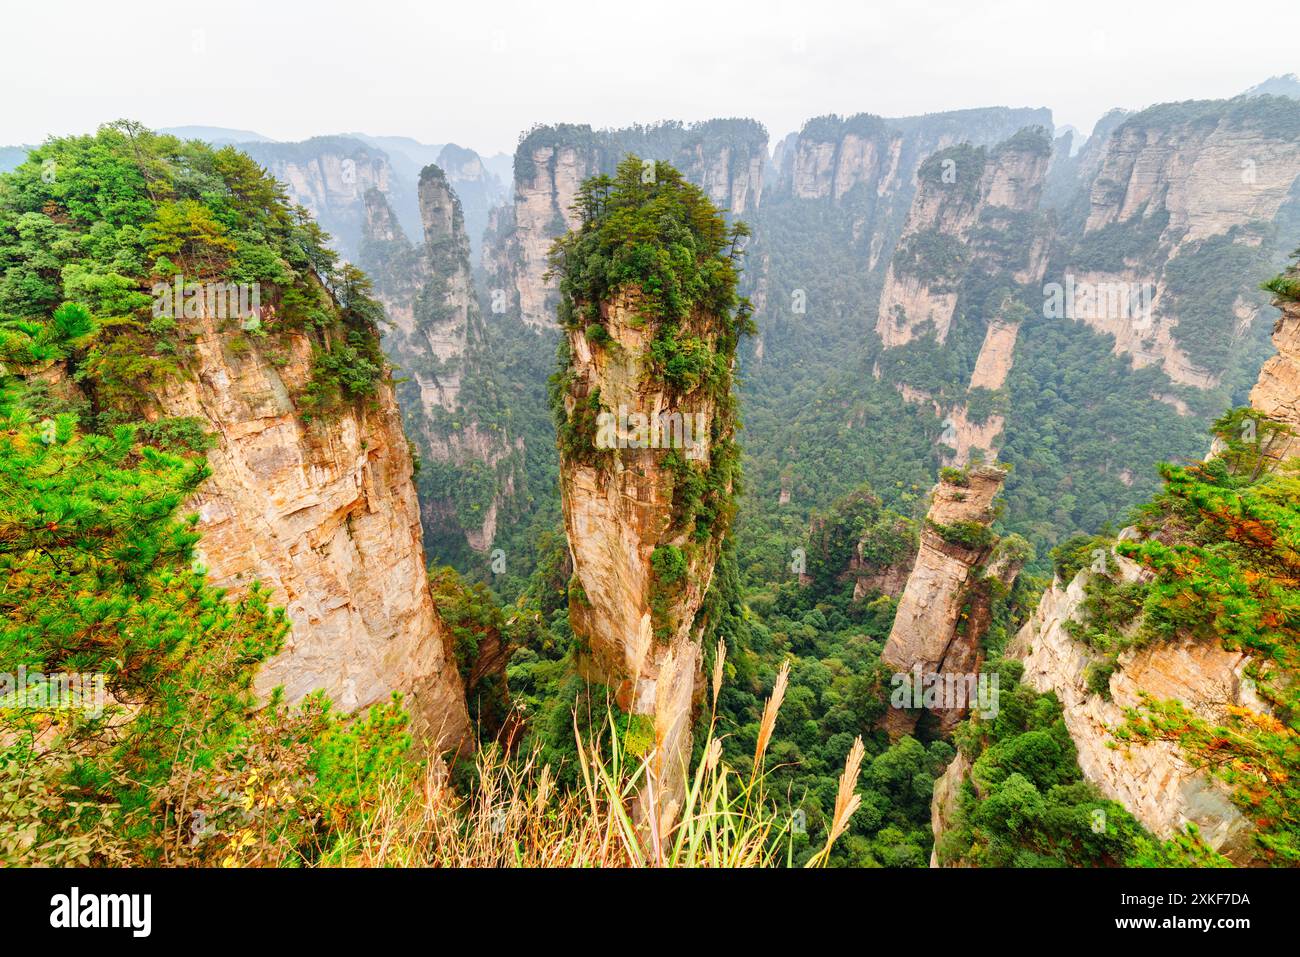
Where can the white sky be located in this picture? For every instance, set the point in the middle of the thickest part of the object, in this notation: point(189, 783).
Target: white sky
point(477, 72)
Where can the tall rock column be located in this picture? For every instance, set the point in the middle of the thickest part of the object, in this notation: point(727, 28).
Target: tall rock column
point(724, 157)
point(645, 418)
point(945, 608)
point(449, 396)
point(973, 211)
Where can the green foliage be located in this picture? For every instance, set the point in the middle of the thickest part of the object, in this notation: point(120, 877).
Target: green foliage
point(669, 565)
point(1024, 803)
point(1248, 442)
point(956, 170)
point(82, 251)
point(1223, 549)
point(662, 237)
point(1108, 610)
point(935, 257)
point(1205, 282)
point(966, 534)
point(481, 644)
point(1077, 553)
point(955, 476)
point(1285, 287)
point(97, 582)
point(177, 435)
point(1113, 247)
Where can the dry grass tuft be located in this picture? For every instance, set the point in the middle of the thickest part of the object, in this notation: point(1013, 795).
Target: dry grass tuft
point(517, 817)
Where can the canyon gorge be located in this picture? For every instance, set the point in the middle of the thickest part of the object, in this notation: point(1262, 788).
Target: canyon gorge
point(678, 421)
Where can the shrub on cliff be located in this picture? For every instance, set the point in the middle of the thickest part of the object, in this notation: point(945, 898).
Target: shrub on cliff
point(104, 228)
point(157, 752)
point(648, 228)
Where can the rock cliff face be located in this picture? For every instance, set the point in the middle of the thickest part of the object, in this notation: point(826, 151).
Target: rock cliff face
point(964, 438)
point(1152, 780)
point(547, 177)
point(944, 804)
point(1183, 202)
point(1277, 393)
point(975, 220)
point(724, 157)
point(943, 612)
point(868, 164)
point(436, 338)
point(635, 613)
point(325, 515)
point(967, 201)
point(330, 176)
point(1074, 164)
point(997, 353)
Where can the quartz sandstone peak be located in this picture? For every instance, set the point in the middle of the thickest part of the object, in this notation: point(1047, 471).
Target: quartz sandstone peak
point(641, 640)
point(436, 338)
point(325, 515)
point(944, 609)
point(553, 162)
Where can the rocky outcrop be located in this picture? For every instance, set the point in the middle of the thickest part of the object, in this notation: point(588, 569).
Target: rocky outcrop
point(1152, 780)
point(829, 158)
point(971, 440)
point(1173, 182)
point(885, 578)
point(547, 176)
point(962, 439)
point(996, 354)
point(725, 158)
point(880, 553)
point(436, 338)
point(943, 612)
point(478, 190)
point(325, 515)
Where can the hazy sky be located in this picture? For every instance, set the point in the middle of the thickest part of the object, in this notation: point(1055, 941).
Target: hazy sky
point(477, 72)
